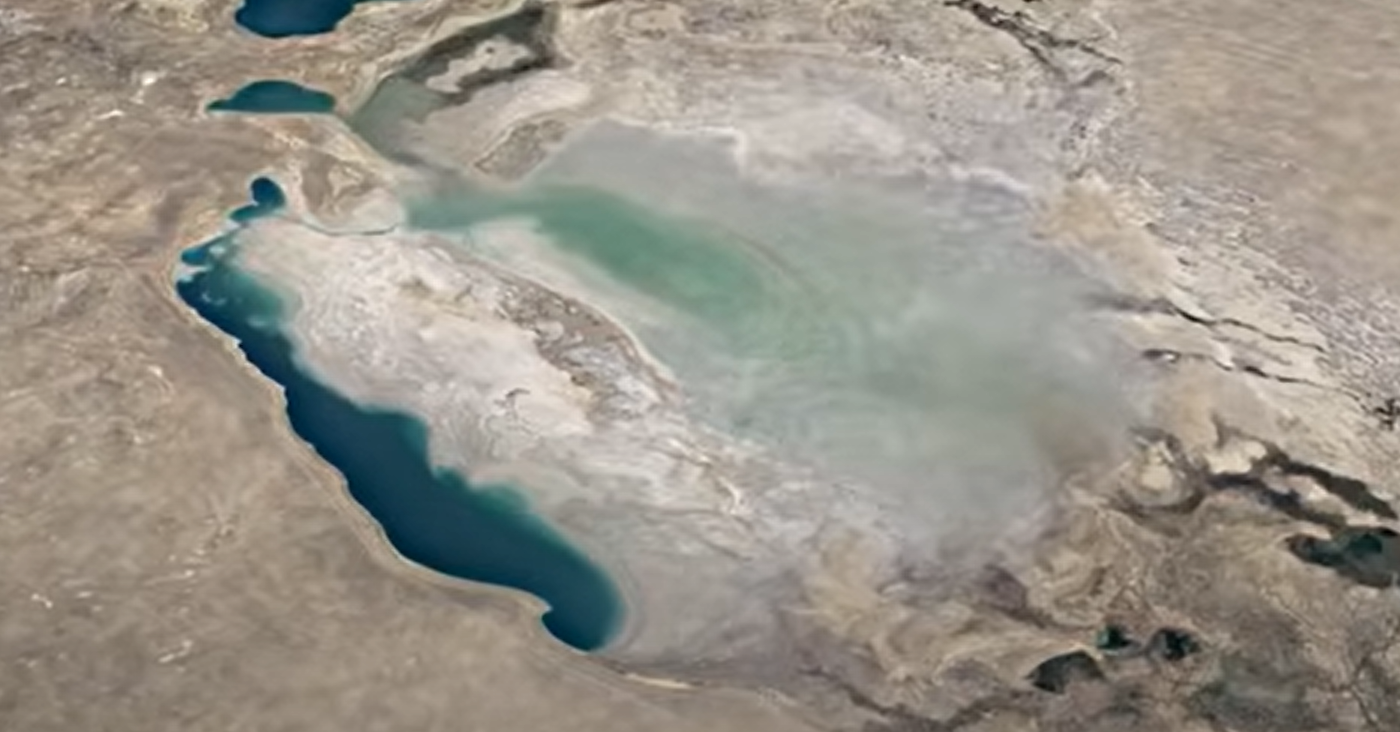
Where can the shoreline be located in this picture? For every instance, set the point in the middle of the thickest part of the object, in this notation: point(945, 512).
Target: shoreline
point(284, 301)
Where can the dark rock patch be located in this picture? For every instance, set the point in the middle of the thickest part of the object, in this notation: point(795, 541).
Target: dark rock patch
point(1262, 482)
point(1172, 644)
point(1114, 639)
point(1058, 673)
point(1366, 555)
point(1355, 493)
point(1039, 42)
point(1387, 413)
point(1277, 463)
point(1285, 501)
point(531, 28)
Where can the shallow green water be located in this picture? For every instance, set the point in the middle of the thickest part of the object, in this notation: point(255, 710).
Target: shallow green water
point(685, 264)
point(874, 346)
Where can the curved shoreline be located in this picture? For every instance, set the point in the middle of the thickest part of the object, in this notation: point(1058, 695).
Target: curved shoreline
point(374, 538)
point(272, 354)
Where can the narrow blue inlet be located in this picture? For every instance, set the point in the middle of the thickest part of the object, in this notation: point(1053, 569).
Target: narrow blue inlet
point(268, 199)
point(275, 96)
point(431, 515)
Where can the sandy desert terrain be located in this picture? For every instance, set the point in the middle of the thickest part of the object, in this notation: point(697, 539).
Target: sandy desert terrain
point(1209, 544)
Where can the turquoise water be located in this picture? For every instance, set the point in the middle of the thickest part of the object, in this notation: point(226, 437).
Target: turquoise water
point(431, 515)
point(823, 310)
point(283, 18)
point(912, 351)
point(678, 265)
point(689, 265)
point(275, 96)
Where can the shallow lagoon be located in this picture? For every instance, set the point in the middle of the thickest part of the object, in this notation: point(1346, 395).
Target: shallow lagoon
point(882, 341)
point(275, 96)
point(908, 340)
point(283, 18)
point(430, 515)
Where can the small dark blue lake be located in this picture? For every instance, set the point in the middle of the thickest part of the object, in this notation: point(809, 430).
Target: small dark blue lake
point(431, 515)
point(275, 96)
point(283, 18)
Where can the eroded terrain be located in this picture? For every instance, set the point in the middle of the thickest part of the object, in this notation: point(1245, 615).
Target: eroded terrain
point(1218, 554)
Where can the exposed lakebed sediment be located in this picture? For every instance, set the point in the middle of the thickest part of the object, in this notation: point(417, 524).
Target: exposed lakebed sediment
point(1269, 561)
point(431, 515)
point(729, 391)
point(707, 407)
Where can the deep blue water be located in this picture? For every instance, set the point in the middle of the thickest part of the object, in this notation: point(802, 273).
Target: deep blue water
point(268, 199)
point(275, 96)
point(431, 515)
point(283, 18)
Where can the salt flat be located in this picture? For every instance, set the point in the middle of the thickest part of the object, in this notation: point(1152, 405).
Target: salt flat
point(1217, 175)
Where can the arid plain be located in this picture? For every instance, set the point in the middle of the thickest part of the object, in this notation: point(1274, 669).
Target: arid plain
point(175, 558)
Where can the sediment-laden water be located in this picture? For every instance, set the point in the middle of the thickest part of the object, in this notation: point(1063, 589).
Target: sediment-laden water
point(914, 344)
